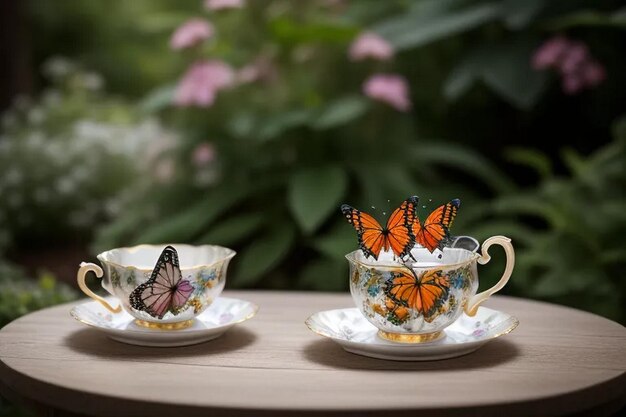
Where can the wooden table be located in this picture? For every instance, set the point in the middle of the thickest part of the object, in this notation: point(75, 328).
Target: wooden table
point(558, 361)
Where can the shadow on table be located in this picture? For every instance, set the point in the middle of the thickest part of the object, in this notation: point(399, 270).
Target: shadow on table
point(93, 342)
point(327, 353)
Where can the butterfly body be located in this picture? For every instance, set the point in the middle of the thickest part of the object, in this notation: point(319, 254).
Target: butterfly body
point(396, 236)
point(166, 290)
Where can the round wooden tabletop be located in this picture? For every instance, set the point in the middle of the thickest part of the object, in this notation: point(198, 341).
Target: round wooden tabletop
point(558, 361)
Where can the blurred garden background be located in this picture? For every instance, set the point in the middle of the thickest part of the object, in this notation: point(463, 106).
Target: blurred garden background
point(247, 124)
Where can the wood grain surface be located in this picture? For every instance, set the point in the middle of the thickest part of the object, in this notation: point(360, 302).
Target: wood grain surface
point(558, 361)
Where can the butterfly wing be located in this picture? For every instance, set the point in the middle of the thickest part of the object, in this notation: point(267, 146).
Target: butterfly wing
point(434, 232)
point(157, 295)
point(424, 293)
point(182, 293)
point(369, 231)
point(433, 289)
point(399, 235)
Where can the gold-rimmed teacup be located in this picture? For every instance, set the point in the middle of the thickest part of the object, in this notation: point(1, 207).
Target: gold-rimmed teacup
point(166, 302)
point(414, 302)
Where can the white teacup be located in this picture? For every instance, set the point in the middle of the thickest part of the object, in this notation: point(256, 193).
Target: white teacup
point(146, 282)
point(398, 298)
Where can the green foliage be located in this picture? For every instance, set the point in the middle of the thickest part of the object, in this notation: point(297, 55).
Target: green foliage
point(315, 193)
point(66, 157)
point(20, 295)
point(434, 20)
point(575, 252)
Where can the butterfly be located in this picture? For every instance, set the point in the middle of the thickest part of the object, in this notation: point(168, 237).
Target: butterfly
point(396, 235)
point(166, 290)
point(435, 231)
point(424, 293)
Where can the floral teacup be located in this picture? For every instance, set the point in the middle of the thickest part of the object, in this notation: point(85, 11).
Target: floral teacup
point(414, 302)
point(163, 287)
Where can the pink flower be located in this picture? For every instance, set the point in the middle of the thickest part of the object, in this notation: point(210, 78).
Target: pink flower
point(550, 53)
point(370, 45)
point(572, 84)
point(573, 58)
point(572, 61)
point(203, 154)
point(191, 33)
point(201, 83)
point(223, 4)
point(388, 88)
point(593, 73)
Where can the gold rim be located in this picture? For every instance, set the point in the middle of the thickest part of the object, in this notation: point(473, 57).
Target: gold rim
point(410, 338)
point(508, 329)
point(133, 249)
point(165, 326)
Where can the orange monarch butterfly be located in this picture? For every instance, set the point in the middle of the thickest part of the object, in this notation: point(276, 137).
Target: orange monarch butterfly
point(424, 293)
point(435, 230)
point(396, 235)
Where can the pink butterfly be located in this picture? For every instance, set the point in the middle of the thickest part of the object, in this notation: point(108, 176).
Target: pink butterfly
point(166, 290)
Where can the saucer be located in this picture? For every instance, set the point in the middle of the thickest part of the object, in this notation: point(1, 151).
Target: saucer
point(223, 314)
point(350, 329)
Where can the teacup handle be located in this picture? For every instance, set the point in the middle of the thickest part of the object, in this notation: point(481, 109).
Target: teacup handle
point(80, 277)
point(472, 304)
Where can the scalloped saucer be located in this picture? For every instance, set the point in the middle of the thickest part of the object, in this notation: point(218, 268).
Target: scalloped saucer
point(223, 314)
point(350, 329)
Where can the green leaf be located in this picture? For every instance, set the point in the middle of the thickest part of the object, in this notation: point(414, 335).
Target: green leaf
point(263, 255)
point(289, 31)
point(186, 225)
point(461, 78)
point(591, 18)
point(417, 29)
point(505, 68)
point(525, 204)
point(325, 275)
point(233, 230)
point(512, 229)
point(467, 161)
point(277, 124)
point(340, 241)
point(314, 193)
point(340, 112)
point(576, 164)
point(519, 13)
point(112, 234)
point(531, 158)
point(158, 99)
point(242, 124)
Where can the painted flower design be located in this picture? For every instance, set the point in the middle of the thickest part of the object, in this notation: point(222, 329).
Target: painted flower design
point(373, 290)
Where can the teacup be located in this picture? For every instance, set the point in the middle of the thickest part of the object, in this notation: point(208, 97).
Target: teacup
point(146, 283)
point(416, 301)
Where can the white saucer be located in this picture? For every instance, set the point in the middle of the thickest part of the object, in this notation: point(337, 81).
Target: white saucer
point(212, 323)
point(350, 329)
